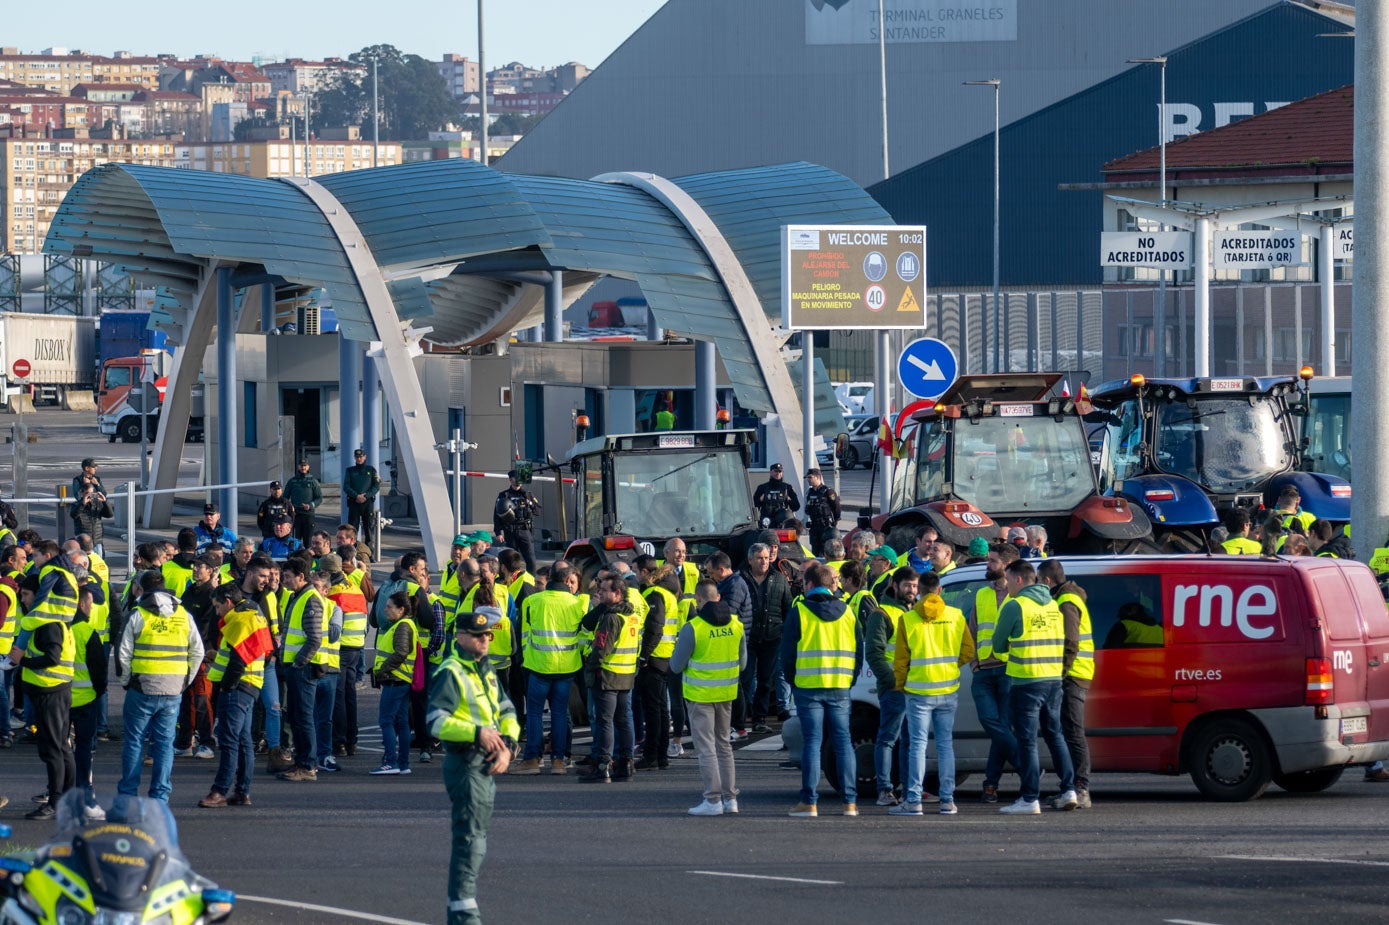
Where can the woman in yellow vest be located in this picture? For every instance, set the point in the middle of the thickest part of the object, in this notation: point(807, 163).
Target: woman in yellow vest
point(393, 670)
point(933, 641)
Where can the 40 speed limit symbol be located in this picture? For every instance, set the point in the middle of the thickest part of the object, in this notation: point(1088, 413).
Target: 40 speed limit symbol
point(875, 298)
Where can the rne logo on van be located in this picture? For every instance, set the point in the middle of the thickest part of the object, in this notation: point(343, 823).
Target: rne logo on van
point(1218, 605)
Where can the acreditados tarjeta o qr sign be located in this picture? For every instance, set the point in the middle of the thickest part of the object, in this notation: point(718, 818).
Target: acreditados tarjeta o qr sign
point(853, 276)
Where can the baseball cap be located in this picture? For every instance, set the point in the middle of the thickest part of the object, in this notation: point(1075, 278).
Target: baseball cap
point(1017, 533)
point(276, 484)
point(482, 536)
point(978, 546)
point(330, 563)
point(776, 467)
point(282, 518)
point(359, 452)
point(477, 622)
point(302, 462)
point(211, 508)
point(884, 552)
point(511, 473)
point(462, 539)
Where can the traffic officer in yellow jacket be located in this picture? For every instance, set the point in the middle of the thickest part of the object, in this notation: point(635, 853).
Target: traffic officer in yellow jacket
point(1079, 668)
point(933, 641)
point(1032, 631)
point(475, 720)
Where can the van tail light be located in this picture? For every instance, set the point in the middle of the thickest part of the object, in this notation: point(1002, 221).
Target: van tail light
point(1320, 688)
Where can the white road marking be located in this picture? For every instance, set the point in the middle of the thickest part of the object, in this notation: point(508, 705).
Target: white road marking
point(312, 907)
point(1287, 860)
point(769, 744)
point(1187, 922)
point(721, 873)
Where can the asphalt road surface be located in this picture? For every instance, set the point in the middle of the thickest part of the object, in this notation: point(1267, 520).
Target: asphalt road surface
point(1151, 851)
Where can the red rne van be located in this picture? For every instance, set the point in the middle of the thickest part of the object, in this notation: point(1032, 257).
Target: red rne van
point(1236, 670)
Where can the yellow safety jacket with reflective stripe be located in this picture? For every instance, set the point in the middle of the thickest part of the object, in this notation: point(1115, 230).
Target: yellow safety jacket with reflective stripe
point(82, 691)
point(354, 614)
point(825, 651)
point(894, 615)
point(525, 578)
point(503, 640)
point(176, 577)
point(857, 598)
point(295, 638)
point(329, 649)
point(254, 674)
point(1242, 546)
point(712, 673)
point(12, 617)
point(161, 649)
point(689, 577)
point(355, 578)
point(623, 658)
point(405, 671)
point(986, 604)
point(671, 627)
point(100, 617)
point(55, 675)
point(1039, 651)
point(57, 603)
point(1083, 666)
point(933, 649)
point(479, 703)
point(550, 632)
point(448, 591)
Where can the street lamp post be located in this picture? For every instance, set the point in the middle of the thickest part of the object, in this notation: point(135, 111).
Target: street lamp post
point(995, 83)
point(1160, 314)
point(375, 114)
point(482, 83)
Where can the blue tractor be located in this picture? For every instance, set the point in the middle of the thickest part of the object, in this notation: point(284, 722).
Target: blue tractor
point(1188, 450)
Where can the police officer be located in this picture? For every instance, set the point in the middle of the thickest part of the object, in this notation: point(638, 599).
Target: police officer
point(304, 495)
point(360, 485)
point(774, 499)
point(272, 509)
point(473, 717)
point(821, 511)
point(514, 516)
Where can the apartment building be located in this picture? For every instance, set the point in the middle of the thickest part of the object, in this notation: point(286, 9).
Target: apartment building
point(281, 158)
point(36, 174)
point(298, 77)
point(461, 75)
point(59, 70)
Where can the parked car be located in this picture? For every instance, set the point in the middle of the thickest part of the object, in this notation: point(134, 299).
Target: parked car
point(855, 397)
point(863, 438)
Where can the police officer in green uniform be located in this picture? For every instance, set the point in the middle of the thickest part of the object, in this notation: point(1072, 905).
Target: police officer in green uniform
point(472, 716)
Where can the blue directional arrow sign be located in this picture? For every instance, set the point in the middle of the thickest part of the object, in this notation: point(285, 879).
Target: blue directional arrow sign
point(927, 367)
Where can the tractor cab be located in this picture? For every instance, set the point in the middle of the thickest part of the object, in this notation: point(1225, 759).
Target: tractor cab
point(1008, 449)
point(1188, 450)
point(635, 491)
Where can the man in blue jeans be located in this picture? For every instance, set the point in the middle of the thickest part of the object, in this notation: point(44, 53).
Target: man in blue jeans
point(159, 655)
point(990, 683)
point(821, 654)
point(550, 653)
point(880, 641)
point(1032, 631)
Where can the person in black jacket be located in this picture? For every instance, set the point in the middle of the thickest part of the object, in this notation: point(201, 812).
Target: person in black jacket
point(653, 662)
point(733, 591)
point(775, 499)
point(93, 654)
point(770, 596)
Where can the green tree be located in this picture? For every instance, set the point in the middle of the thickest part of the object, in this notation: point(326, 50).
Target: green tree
point(414, 97)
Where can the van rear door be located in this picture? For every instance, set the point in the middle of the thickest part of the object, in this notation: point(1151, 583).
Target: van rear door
point(1337, 620)
point(1370, 604)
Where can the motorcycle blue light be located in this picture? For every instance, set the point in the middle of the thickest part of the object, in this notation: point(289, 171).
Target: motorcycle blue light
point(15, 865)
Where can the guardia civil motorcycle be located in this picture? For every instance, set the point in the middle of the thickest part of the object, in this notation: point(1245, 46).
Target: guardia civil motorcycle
point(118, 865)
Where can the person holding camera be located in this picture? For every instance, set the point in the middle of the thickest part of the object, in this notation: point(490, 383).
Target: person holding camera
point(514, 516)
point(92, 507)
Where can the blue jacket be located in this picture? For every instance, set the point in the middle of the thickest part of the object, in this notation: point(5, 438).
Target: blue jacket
point(223, 537)
point(279, 548)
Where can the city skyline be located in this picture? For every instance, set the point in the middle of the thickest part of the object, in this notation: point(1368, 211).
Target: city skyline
point(585, 33)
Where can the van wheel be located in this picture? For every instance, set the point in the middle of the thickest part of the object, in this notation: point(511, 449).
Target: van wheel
point(1230, 761)
point(863, 732)
point(1314, 781)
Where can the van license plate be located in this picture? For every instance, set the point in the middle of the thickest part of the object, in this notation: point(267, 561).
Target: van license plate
point(1353, 724)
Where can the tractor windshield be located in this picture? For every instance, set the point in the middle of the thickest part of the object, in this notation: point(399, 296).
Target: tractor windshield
point(1222, 444)
point(699, 492)
point(1021, 464)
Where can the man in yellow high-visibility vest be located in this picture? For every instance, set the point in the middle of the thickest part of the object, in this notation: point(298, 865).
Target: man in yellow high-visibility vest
point(710, 652)
point(1031, 631)
point(990, 682)
point(1079, 668)
point(611, 670)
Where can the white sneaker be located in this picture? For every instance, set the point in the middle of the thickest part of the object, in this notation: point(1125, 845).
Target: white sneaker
point(707, 809)
point(202, 751)
point(91, 813)
point(730, 807)
point(1066, 801)
point(1021, 807)
point(675, 750)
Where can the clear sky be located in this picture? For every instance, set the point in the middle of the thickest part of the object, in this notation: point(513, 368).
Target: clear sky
point(539, 33)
